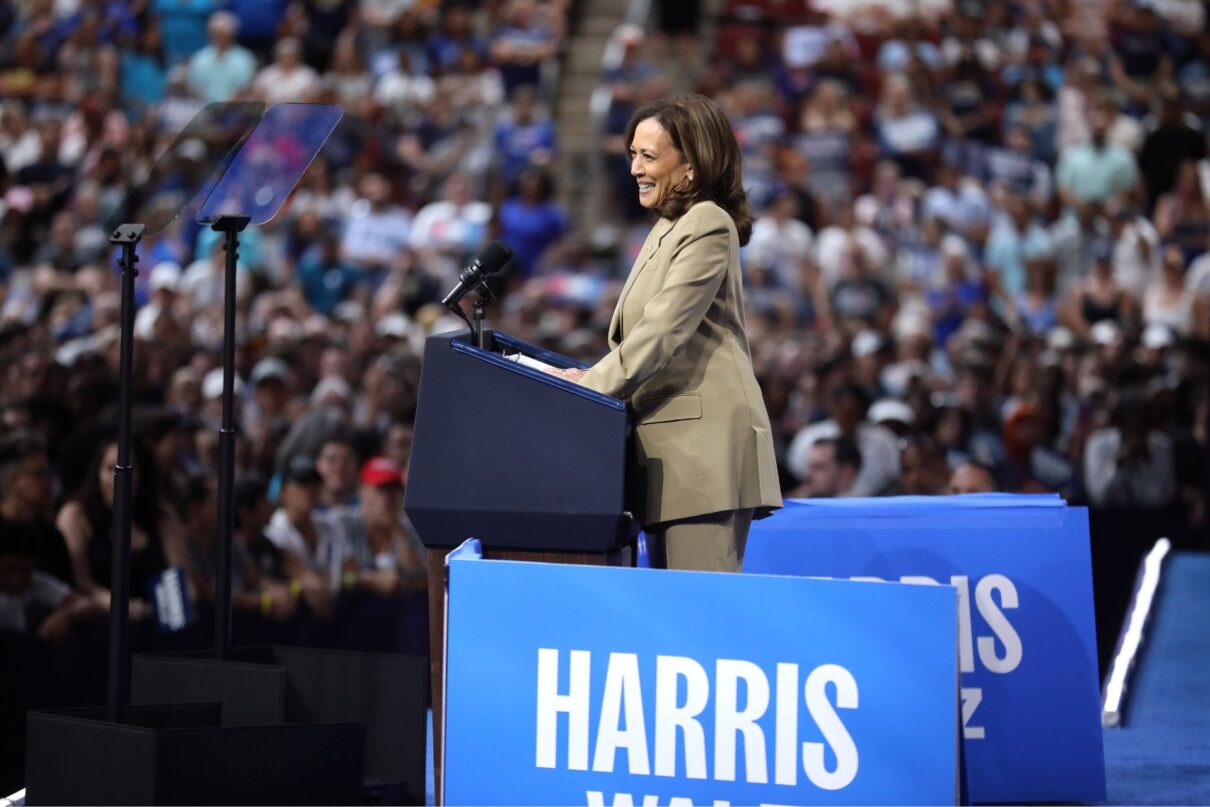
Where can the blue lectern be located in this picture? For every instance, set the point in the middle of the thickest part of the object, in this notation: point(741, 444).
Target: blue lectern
point(531, 465)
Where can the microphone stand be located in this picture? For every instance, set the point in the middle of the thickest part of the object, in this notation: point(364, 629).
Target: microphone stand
point(483, 295)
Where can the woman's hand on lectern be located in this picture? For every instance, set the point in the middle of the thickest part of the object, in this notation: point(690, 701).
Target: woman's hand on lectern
point(572, 374)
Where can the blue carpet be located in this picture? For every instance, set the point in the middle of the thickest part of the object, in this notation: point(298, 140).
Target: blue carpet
point(1162, 756)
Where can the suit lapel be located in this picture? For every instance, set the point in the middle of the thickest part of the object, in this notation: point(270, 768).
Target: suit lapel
point(650, 247)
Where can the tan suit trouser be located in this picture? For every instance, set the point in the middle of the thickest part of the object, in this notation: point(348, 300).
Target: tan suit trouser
point(710, 543)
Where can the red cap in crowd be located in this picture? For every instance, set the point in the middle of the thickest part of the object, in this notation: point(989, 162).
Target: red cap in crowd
point(380, 472)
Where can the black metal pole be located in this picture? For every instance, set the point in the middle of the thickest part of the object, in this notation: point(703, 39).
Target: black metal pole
point(230, 227)
point(127, 237)
point(477, 319)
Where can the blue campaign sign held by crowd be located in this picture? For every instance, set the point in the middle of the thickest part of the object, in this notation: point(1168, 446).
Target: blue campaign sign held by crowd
point(1027, 639)
point(613, 686)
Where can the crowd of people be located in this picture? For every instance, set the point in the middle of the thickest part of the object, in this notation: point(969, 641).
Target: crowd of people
point(979, 261)
point(980, 255)
point(444, 141)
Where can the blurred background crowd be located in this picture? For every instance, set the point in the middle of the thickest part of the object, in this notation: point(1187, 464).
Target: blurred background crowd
point(980, 260)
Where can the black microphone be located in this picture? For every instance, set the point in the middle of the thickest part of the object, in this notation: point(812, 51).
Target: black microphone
point(489, 261)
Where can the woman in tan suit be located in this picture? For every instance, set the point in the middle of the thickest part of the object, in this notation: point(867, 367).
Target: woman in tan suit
point(678, 353)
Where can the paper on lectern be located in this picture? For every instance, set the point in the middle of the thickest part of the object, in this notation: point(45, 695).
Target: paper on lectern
point(528, 361)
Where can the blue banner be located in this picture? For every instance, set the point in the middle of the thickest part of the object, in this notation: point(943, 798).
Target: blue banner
point(167, 593)
point(614, 686)
point(1027, 637)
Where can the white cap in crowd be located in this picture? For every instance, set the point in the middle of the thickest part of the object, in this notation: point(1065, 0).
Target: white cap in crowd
point(889, 409)
point(165, 275)
point(212, 384)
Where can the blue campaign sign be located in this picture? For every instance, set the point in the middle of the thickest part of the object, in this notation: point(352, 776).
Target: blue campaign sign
point(615, 686)
point(1027, 638)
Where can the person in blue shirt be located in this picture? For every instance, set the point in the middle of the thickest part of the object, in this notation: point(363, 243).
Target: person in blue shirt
point(521, 45)
point(524, 140)
point(258, 22)
point(1015, 239)
point(144, 73)
point(182, 26)
point(456, 35)
point(531, 221)
point(326, 280)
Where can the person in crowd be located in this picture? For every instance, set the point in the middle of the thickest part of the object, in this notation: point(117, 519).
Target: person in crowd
point(522, 44)
point(336, 464)
point(922, 468)
point(781, 242)
point(531, 221)
point(1099, 297)
point(1093, 173)
point(386, 557)
point(1182, 216)
point(447, 233)
point(86, 521)
point(377, 229)
point(1036, 309)
point(1015, 239)
point(313, 549)
point(526, 137)
point(287, 78)
point(1168, 301)
point(831, 469)
point(908, 132)
point(33, 602)
point(27, 501)
point(1130, 464)
point(1175, 140)
point(183, 26)
point(259, 579)
point(879, 453)
point(223, 68)
point(972, 477)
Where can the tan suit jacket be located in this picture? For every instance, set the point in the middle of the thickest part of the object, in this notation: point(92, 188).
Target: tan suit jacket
point(679, 354)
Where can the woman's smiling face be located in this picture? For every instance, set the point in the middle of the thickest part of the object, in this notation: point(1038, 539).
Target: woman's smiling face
point(655, 163)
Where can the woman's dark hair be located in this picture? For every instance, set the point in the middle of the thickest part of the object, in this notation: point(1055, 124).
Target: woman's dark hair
point(146, 504)
point(543, 181)
point(702, 134)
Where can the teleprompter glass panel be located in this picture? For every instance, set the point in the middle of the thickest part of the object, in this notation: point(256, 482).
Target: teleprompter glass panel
point(270, 162)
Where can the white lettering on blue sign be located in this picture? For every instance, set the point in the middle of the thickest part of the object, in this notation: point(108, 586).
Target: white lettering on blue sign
point(993, 615)
point(989, 654)
point(682, 693)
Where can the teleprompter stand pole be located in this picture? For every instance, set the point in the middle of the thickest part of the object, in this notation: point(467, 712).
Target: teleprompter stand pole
point(230, 227)
point(127, 238)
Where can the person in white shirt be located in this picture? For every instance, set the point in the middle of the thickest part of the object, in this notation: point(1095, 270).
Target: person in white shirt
point(446, 233)
point(33, 602)
point(314, 548)
point(287, 78)
point(781, 242)
point(1136, 248)
point(377, 229)
point(878, 448)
